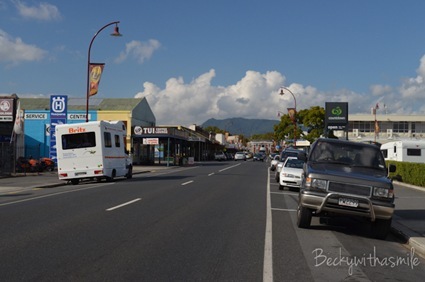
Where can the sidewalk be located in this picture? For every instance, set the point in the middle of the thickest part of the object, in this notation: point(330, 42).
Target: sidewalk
point(408, 223)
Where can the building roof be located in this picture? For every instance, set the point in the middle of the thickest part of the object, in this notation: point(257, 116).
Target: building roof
point(100, 104)
point(386, 117)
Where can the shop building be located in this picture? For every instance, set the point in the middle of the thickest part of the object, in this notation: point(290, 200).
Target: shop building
point(133, 112)
point(149, 144)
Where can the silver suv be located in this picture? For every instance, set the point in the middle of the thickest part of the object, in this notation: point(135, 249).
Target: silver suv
point(346, 178)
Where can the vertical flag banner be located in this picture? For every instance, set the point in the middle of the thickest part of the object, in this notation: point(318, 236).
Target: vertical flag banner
point(17, 127)
point(291, 113)
point(95, 74)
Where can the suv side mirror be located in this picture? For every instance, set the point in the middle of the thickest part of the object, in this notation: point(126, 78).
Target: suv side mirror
point(391, 168)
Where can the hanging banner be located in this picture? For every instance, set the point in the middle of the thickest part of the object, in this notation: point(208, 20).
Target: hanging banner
point(291, 113)
point(17, 127)
point(95, 74)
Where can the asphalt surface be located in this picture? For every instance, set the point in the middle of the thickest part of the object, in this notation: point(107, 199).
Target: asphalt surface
point(408, 221)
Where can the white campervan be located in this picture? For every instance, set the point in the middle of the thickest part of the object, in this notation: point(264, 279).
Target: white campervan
point(95, 149)
point(404, 151)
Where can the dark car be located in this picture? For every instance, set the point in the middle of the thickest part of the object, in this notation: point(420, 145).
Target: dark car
point(259, 157)
point(349, 179)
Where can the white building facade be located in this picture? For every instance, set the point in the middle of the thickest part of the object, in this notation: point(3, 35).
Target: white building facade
point(384, 128)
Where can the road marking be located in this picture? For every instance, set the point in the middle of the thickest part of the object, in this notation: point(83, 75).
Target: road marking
point(229, 167)
point(53, 194)
point(211, 174)
point(125, 204)
point(289, 210)
point(187, 183)
point(268, 248)
point(283, 193)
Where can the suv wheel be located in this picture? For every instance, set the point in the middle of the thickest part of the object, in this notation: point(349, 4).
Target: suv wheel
point(303, 217)
point(381, 228)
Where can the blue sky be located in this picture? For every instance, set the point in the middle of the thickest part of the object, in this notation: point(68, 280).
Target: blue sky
point(194, 60)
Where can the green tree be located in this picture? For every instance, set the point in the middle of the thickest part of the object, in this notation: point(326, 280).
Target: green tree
point(265, 136)
point(285, 129)
point(314, 120)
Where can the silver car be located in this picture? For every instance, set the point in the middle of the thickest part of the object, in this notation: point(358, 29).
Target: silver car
point(240, 156)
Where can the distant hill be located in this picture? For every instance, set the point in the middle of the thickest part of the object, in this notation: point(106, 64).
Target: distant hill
point(246, 127)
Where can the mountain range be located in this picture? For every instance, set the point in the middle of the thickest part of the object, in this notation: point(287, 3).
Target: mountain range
point(246, 127)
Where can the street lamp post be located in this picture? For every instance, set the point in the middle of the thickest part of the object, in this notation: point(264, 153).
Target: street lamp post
point(115, 33)
point(294, 120)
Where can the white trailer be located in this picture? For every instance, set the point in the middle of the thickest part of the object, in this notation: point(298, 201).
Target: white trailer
point(404, 151)
point(95, 149)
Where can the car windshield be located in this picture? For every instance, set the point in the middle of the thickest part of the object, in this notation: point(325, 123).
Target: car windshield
point(348, 154)
point(294, 163)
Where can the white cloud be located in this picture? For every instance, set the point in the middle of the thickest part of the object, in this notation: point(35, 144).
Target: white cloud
point(256, 95)
point(43, 12)
point(378, 90)
point(140, 51)
point(15, 51)
point(414, 88)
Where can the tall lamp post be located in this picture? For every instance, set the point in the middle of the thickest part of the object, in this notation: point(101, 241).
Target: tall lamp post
point(115, 33)
point(294, 120)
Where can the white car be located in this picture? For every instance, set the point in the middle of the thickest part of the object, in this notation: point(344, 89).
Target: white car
point(240, 156)
point(290, 174)
point(274, 162)
point(220, 156)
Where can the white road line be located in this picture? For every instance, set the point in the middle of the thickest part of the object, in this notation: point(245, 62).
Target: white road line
point(229, 167)
point(268, 248)
point(187, 183)
point(53, 194)
point(125, 204)
point(289, 210)
point(283, 193)
point(211, 174)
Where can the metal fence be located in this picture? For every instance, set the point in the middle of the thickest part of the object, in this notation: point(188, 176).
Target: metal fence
point(7, 158)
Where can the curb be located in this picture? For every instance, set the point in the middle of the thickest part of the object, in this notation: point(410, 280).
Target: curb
point(412, 239)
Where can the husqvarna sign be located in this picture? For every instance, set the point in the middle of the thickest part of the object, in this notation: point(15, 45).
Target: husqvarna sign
point(58, 115)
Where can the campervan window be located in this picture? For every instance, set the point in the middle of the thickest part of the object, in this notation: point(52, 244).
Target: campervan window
point(78, 140)
point(117, 141)
point(414, 152)
point(107, 139)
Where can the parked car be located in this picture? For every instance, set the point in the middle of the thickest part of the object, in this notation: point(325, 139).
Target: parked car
point(344, 178)
point(229, 156)
point(240, 156)
point(220, 156)
point(274, 162)
point(288, 152)
point(290, 174)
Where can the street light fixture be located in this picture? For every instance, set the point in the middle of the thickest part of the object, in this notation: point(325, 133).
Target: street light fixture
point(115, 33)
point(293, 118)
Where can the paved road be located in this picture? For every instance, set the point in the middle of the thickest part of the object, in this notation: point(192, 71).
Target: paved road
point(222, 221)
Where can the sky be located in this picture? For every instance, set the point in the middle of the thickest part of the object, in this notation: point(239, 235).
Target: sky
point(199, 59)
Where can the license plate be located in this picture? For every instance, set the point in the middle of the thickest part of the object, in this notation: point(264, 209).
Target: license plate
point(348, 202)
point(80, 173)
